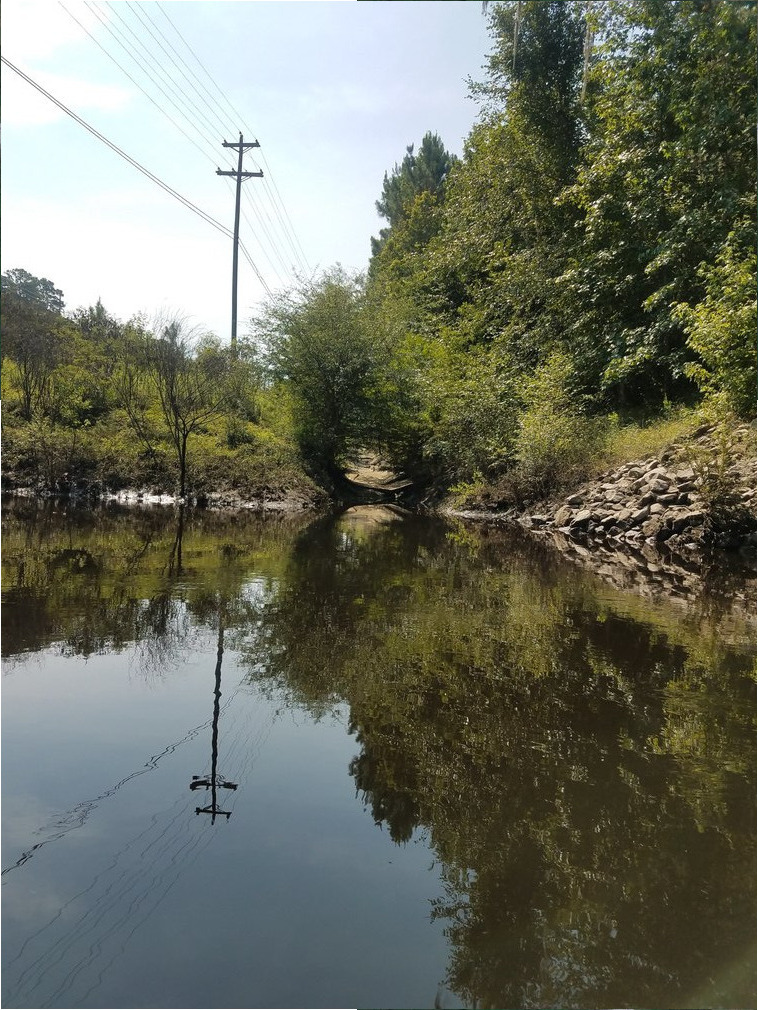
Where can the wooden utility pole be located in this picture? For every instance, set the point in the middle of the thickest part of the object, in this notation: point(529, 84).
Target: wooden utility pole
point(239, 175)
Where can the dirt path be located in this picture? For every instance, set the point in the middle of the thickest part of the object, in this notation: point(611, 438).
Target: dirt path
point(369, 471)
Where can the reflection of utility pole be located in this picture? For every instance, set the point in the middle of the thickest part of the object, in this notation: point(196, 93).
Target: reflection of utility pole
point(214, 781)
point(239, 175)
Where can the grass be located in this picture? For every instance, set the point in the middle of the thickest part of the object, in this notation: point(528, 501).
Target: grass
point(631, 441)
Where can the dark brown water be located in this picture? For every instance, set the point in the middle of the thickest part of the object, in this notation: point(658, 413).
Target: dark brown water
point(365, 761)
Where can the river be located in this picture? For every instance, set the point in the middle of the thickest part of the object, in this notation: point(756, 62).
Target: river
point(366, 760)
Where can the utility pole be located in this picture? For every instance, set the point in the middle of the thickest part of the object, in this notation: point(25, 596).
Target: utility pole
point(239, 175)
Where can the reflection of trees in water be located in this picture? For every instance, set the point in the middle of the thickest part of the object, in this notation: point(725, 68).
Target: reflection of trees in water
point(69, 956)
point(90, 582)
point(582, 765)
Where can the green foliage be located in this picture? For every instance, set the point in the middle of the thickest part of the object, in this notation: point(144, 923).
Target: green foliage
point(36, 291)
point(319, 340)
point(612, 221)
point(722, 327)
point(422, 173)
point(728, 519)
point(604, 208)
point(556, 444)
point(89, 400)
point(472, 409)
point(668, 169)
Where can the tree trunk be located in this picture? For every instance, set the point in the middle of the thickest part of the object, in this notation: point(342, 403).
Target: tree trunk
point(183, 465)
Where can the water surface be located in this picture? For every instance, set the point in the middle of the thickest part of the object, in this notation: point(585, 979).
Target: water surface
point(466, 773)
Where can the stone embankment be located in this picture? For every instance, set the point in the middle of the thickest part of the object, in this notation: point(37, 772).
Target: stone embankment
point(659, 501)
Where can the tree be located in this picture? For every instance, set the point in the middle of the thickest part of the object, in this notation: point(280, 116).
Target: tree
point(425, 172)
point(721, 328)
point(31, 323)
point(668, 172)
point(190, 386)
point(318, 340)
point(38, 291)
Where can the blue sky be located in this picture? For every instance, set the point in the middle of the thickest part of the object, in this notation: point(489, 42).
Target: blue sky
point(334, 90)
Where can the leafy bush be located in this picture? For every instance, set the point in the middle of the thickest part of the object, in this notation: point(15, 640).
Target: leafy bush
point(722, 328)
point(472, 409)
point(556, 444)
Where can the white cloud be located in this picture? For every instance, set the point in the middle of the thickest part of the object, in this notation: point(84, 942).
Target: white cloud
point(23, 105)
point(35, 29)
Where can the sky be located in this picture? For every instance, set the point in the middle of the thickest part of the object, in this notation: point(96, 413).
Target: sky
point(333, 90)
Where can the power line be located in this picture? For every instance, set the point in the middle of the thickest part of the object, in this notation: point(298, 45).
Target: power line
point(130, 50)
point(135, 83)
point(145, 14)
point(274, 193)
point(141, 168)
point(187, 102)
point(181, 130)
point(114, 147)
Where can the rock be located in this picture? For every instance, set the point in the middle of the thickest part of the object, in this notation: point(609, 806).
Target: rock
point(684, 474)
point(681, 522)
point(651, 527)
point(640, 515)
point(563, 515)
point(656, 509)
point(668, 499)
point(581, 519)
point(659, 485)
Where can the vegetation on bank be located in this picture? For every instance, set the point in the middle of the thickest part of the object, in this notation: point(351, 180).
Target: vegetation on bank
point(92, 401)
point(581, 281)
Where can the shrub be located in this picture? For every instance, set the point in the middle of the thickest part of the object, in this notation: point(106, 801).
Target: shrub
point(556, 444)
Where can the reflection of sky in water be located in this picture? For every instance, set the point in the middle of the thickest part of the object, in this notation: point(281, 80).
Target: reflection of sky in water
point(298, 894)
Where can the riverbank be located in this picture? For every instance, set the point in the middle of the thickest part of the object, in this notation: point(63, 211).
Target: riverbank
point(698, 492)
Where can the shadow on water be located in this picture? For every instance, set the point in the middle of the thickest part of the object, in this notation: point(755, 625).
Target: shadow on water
point(578, 759)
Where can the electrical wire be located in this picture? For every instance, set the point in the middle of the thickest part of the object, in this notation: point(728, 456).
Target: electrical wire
point(272, 189)
point(187, 102)
point(141, 15)
point(181, 105)
point(135, 83)
point(114, 147)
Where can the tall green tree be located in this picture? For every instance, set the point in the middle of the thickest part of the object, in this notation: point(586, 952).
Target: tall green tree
point(37, 291)
point(31, 336)
point(318, 339)
point(422, 172)
point(668, 174)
